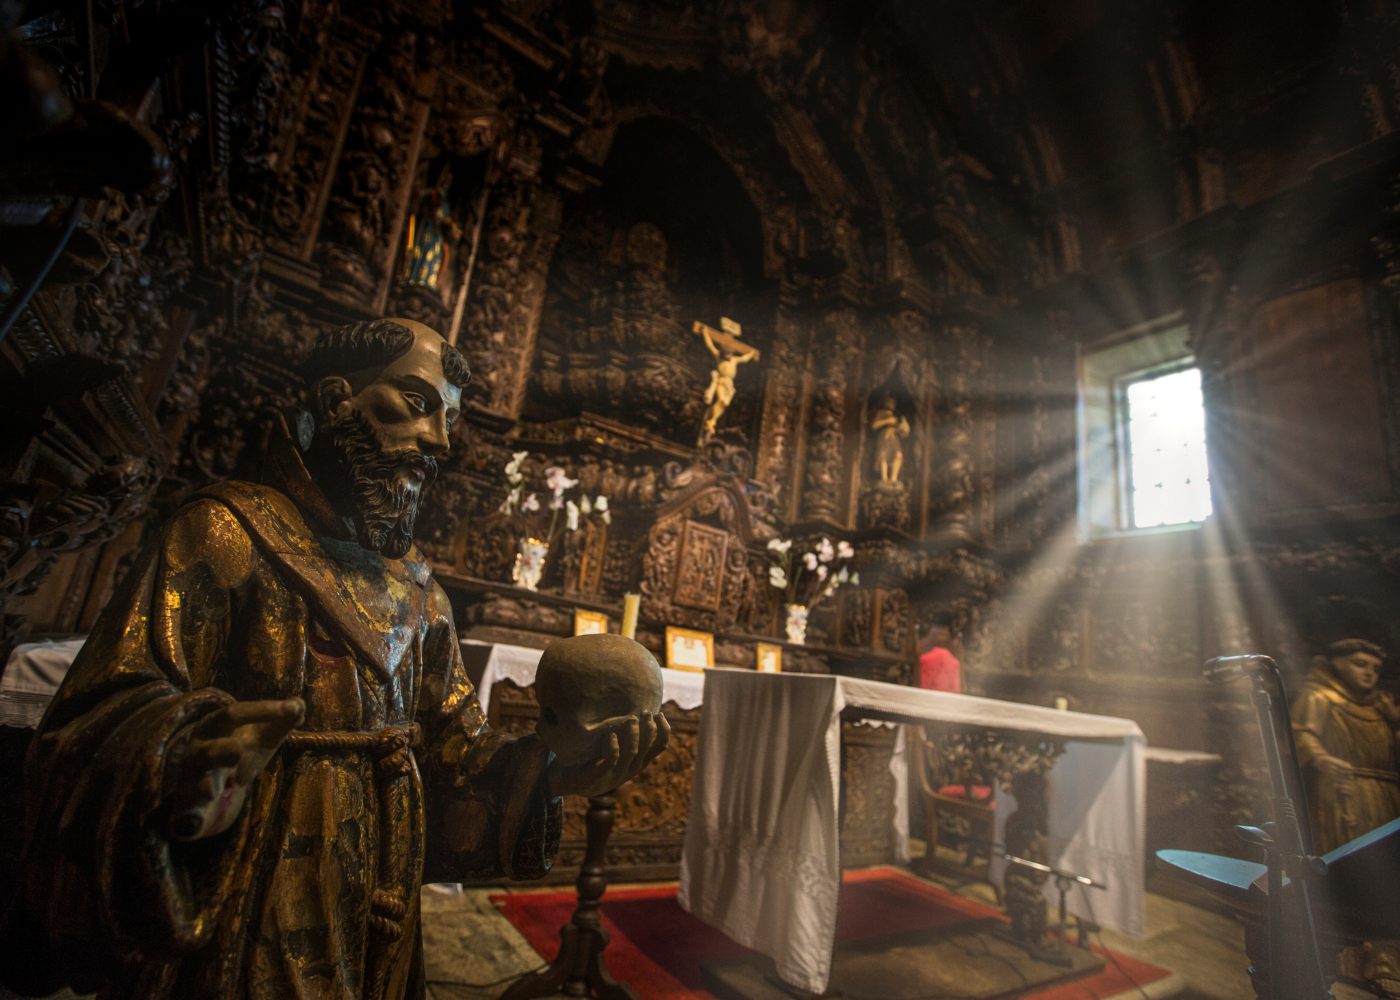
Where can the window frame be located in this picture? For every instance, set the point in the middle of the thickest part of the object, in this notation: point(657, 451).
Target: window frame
point(1103, 465)
point(1121, 385)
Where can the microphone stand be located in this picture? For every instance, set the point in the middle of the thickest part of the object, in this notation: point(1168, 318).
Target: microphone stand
point(1293, 964)
point(1058, 953)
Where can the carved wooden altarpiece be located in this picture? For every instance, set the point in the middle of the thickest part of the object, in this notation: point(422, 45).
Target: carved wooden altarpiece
point(698, 570)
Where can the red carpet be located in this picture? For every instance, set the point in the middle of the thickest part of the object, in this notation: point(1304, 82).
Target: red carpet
point(657, 948)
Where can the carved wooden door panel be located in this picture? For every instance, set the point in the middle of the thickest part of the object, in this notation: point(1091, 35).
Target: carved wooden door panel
point(700, 569)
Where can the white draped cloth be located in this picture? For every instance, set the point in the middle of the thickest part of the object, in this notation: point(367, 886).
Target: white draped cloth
point(32, 675)
point(686, 688)
point(761, 860)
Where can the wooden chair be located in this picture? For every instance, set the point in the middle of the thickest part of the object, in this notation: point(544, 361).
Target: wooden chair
point(958, 808)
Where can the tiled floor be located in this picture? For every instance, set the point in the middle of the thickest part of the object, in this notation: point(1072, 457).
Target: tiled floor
point(468, 943)
point(472, 952)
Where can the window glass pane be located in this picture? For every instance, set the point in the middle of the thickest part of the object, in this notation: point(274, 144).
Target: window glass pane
point(1165, 433)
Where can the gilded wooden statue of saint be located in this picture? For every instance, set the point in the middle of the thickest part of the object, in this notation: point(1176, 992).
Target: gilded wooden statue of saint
point(1347, 732)
point(889, 428)
point(269, 742)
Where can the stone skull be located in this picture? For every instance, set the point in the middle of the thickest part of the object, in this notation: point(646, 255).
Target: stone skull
point(588, 683)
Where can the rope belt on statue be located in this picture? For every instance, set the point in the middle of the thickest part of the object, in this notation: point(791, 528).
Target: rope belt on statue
point(391, 749)
point(389, 746)
point(1375, 775)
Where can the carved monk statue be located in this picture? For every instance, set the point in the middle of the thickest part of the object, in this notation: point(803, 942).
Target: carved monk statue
point(1346, 734)
point(269, 742)
point(889, 429)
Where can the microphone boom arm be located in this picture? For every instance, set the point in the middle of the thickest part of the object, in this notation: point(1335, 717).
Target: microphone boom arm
point(1287, 848)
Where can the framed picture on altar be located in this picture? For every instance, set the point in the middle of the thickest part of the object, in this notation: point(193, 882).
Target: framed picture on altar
point(687, 649)
point(768, 658)
point(590, 622)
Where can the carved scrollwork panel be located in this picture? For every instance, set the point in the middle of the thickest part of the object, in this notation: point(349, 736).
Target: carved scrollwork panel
point(894, 621)
point(700, 573)
point(696, 568)
point(867, 831)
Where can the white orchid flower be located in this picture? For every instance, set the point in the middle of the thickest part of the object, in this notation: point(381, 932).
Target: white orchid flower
point(600, 504)
point(558, 480)
point(776, 577)
point(509, 502)
point(585, 505)
point(844, 575)
point(556, 502)
point(531, 502)
point(855, 579)
point(844, 550)
point(824, 550)
point(607, 517)
point(821, 572)
point(809, 560)
point(779, 546)
point(571, 512)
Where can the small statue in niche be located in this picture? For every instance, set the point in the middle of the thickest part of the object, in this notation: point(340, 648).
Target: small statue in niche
point(889, 429)
point(1348, 738)
point(270, 734)
point(432, 230)
point(729, 352)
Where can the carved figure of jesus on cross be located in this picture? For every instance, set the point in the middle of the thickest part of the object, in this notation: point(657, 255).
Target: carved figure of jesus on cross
point(730, 352)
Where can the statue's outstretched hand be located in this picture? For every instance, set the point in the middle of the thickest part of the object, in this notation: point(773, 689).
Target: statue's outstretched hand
point(635, 741)
point(220, 758)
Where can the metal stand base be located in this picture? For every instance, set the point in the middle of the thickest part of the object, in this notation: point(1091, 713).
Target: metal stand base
point(579, 970)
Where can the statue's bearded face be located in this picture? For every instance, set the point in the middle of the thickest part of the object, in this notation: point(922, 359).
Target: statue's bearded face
point(385, 436)
point(387, 486)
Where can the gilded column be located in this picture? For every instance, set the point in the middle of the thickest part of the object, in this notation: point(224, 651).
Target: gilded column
point(356, 243)
point(835, 354)
point(782, 402)
point(507, 285)
point(957, 358)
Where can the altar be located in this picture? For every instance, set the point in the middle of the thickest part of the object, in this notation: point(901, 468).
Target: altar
point(653, 810)
point(761, 860)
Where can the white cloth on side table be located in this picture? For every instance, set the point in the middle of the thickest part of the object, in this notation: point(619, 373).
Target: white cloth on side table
point(518, 664)
point(31, 678)
point(761, 860)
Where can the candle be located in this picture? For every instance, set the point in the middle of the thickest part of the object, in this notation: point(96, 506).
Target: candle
point(1061, 703)
point(631, 604)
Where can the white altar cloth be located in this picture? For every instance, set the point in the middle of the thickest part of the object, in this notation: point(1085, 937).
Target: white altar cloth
point(31, 678)
point(761, 859)
point(518, 663)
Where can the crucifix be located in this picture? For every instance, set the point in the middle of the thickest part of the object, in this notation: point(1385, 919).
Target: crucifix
point(730, 352)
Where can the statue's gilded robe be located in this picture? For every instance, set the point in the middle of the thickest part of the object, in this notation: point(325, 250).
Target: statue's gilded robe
point(391, 780)
point(1327, 720)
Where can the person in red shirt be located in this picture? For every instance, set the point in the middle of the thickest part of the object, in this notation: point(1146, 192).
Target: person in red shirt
point(939, 669)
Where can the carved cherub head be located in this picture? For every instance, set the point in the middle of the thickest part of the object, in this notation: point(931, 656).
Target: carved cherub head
point(383, 397)
point(588, 683)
